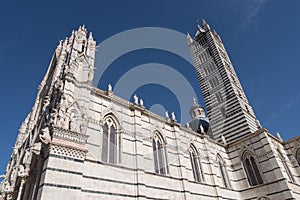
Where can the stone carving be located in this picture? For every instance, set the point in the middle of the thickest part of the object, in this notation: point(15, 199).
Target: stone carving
point(53, 116)
point(62, 116)
point(279, 137)
point(59, 85)
point(136, 99)
point(187, 125)
point(45, 136)
point(109, 88)
point(195, 101)
point(36, 148)
point(83, 128)
point(141, 102)
point(173, 116)
point(167, 115)
point(46, 103)
point(21, 171)
point(223, 140)
point(74, 125)
point(201, 129)
point(27, 157)
point(6, 187)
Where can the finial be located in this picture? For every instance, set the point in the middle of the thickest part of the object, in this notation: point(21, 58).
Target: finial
point(60, 42)
point(195, 101)
point(136, 99)
point(279, 137)
point(83, 27)
point(167, 115)
point(173, 116)
point(204, 22)
point(91, 36)
point(66, 41)
point(189, 38)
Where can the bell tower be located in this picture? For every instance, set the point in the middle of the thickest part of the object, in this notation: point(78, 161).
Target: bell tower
point(230, 114)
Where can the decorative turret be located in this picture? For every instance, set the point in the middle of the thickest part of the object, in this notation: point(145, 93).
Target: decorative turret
point(200, 122)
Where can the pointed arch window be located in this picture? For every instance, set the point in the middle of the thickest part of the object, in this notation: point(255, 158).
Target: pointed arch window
point(110, 142)
point(286, 167)
point(298, 156)
point(251, 169)
point(196, 164)
point(159, 155)
point(223, 172)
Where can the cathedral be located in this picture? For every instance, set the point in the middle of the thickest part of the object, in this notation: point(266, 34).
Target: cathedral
point(82, 142)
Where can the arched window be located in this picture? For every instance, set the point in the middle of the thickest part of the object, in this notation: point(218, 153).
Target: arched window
point(110, 141)
point(196, 164)
point(223, 172)
point(298, 156)
point(251, 169)
point(286, 167)
point(159, 155)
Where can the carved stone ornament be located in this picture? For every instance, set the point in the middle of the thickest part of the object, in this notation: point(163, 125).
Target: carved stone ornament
point(46, 103)
point(59, 85)
point(53, 117)
point(6, 187)
point(36, 148)
point(21, 171)
point(173, 116)
point(45, 136)
point(27, 157)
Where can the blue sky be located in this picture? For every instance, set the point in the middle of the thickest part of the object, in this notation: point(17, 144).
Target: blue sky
point(261, 37)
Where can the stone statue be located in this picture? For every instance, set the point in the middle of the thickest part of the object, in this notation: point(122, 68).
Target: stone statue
point(46, 103)
point(66, 124)
point(45, 136)
point(36, 148)
point(141, 102)
point(27, 157)
point(109, 87)
point(201, 128)
point(61, 117)
point(195, 101)
point(53, 117)
point(223, 140)
point(136, 100)
point(21, 171)
point(74, 124)
point(187, 125)
point(173, 116)
point(167, 115)
point(279, 137)
point(6, 186)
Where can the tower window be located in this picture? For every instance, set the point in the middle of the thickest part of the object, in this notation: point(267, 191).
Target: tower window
point(251, 169)
point(159, 155)
point(219, 97)
point(110, 141)
point(223, 112)
point(298, 156)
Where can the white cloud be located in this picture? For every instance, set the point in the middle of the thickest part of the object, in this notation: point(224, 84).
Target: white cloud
point(251, 10)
